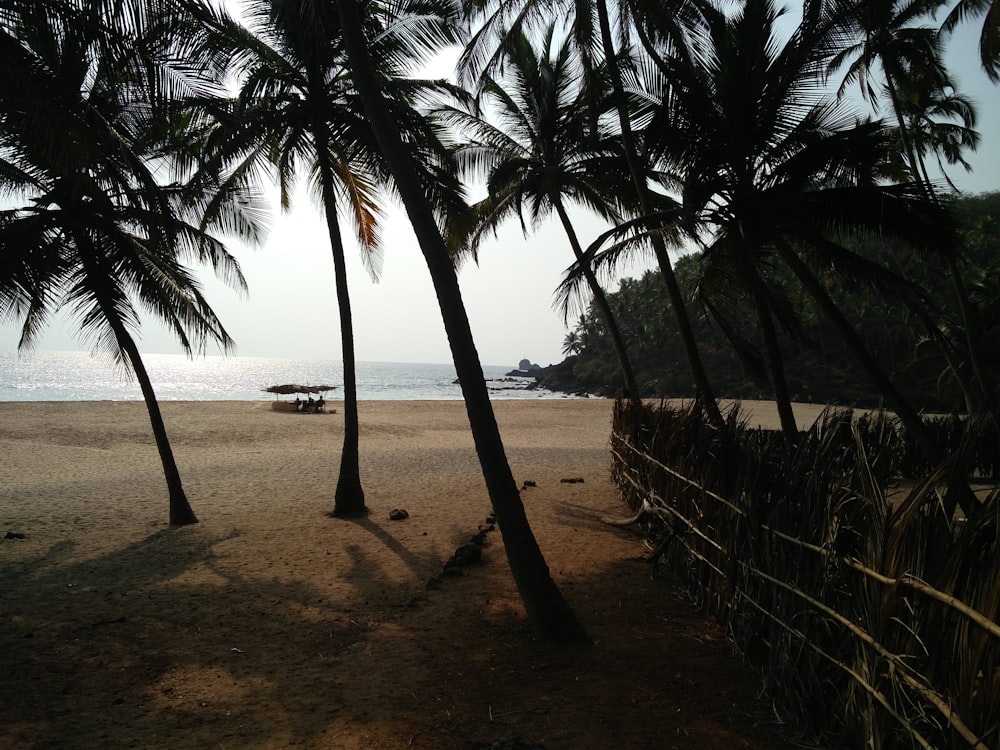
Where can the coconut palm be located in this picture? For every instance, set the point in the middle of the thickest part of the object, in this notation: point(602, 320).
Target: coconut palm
point(573, 341)
point(297, 114)
point(989, 38)
point(591, 27)
point(898, 38)
point(940, 123)
point(293, 115)
point(98, 230)
point(770, 170)
point(543, 155)
point(549, 613)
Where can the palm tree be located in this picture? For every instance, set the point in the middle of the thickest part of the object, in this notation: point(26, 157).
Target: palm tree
point(573, 342)
point(501, 18)
point(770, 170)
point(297, 112)
point(549, 613)
point(989, 39)
point(85, 137)
point(543, 154)
point(940, 122)
point(898, 38)
point(294, 113)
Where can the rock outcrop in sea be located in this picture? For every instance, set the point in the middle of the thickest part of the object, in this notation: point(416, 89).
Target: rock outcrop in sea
point(558, 378)
point(525, 369)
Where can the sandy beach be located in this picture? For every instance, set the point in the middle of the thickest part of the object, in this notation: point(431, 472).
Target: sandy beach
point(271, 625)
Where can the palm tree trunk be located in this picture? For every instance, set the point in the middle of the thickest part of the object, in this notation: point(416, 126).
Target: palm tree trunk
point(601, 300)
point(907, 415)
point(349, 498)
point(897, 402)
point(772, 351)
point(904, 134)
point(921, 177)
point(181, 513)
point(550, 615)
point(706, 396)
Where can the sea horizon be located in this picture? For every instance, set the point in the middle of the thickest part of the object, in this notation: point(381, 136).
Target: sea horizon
point(80, 376)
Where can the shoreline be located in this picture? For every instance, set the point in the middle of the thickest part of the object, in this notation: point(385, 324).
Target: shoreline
point(226, 450)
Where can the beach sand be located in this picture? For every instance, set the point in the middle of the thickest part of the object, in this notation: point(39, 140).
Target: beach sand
point(270, 624)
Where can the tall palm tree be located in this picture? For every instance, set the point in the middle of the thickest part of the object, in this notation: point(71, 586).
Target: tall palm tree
point(297, 112)
point(86, 134)
point(549, 613)
point(940, 123)
point(544, 154)
point(899, 38)
point(770, 170)
point(500, 18)
point(294, 114)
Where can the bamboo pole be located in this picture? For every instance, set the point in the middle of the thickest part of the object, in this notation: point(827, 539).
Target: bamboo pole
point(868, 687)
point(916, 584)
point(675, 474)
point(906, 579)
point(902, 668)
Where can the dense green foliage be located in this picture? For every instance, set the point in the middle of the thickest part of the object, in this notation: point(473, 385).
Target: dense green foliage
point(817, 363)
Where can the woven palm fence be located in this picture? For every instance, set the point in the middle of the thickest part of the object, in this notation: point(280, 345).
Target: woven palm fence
point(870, 609)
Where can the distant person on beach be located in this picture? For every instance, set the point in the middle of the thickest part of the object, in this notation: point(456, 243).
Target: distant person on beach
point(298, 404)
point(320, 403)
point(310, 405)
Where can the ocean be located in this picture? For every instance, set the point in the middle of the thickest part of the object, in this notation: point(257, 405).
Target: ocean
point(77, 376)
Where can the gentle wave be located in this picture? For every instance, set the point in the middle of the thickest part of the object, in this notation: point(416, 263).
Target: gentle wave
point(78, 376)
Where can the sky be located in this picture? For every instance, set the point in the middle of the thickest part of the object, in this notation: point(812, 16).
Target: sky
point(291, 308)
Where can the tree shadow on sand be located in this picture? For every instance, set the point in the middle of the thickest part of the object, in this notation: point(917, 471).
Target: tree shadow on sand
point(162, 644)
point(365, 559)
point(129, 648)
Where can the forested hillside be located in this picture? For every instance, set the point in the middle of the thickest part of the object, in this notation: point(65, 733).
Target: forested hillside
point(912, 345)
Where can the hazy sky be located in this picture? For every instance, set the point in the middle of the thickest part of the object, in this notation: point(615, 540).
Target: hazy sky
point(291, 309)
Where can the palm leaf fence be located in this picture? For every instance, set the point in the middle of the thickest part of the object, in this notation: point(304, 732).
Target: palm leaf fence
point(872, 615)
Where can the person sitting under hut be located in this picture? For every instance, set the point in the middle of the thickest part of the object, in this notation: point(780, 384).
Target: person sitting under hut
point(320, 403)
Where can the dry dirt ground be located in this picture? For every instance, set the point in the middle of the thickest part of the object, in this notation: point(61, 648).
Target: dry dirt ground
point(271, 625)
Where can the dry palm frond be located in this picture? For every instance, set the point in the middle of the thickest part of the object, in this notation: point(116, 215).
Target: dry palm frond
point(888, 611)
